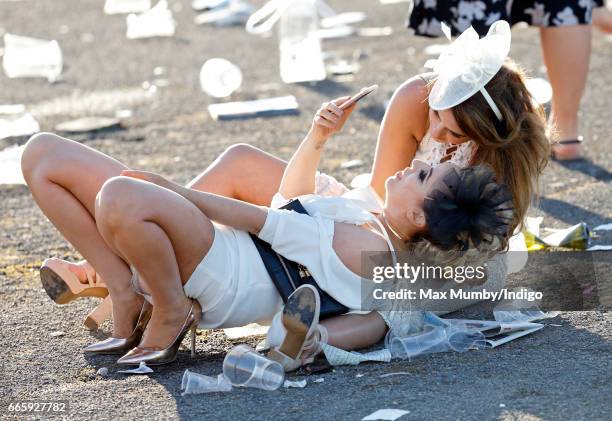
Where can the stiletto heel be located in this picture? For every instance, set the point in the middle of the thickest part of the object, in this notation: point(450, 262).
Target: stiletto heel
point(100, 314)
point(193, 340)
point(158, 356)
point(121, 345)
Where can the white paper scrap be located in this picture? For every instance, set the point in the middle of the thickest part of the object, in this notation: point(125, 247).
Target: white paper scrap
point(603, 227)
point(243, 331)
point(256, 108)
point(143, 368)
point(600, 247)
point(336, 356)
point(386, 414)
point(57, 334)
point(320, 380)
point(298, 384)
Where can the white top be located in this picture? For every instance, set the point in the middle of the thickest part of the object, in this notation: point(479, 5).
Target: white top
point(308, 240)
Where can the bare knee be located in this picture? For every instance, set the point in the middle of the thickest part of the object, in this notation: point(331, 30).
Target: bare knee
point(37, 152)
point(240, 153)
point(117, 205)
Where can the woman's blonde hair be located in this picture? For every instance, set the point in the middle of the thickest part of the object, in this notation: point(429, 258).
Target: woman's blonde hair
point(517, 148)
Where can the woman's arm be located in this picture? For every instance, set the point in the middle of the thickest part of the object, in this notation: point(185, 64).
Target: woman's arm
point(299, 176)
point(404, 124)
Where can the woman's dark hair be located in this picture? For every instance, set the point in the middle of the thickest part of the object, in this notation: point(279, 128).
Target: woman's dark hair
point(469, 209)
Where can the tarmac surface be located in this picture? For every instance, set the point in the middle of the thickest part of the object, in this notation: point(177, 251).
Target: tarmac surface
point(560, 372)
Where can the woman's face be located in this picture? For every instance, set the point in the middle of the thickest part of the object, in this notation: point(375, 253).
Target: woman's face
point(444, 128)
point(406, 192)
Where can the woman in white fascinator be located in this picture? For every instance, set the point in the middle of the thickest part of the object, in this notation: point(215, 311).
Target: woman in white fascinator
point(476, 109)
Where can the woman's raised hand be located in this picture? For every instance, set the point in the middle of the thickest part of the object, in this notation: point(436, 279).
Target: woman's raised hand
point(151, 178)
point(330, 118)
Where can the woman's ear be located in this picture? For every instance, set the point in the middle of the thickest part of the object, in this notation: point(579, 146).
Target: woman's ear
point(417, 216)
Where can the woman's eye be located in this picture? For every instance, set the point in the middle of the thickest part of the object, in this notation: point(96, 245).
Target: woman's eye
point(422, 175)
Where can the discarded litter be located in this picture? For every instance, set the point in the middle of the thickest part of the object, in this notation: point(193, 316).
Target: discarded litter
point(341, 19)
point(257, 108)
point(115, 7)
point(300, 384)
point(194, 383)
point(398, 373)
point(102, 372)
point(540, 89)
point(87, 124)
point(236, 12)
point(156, 22)
point(32, 57)
point(24, 125)
point(599, 248)
point(343, 67)
point(57, 334)
point(433, 340)
point(337, 356)
point(10, 109)
point(301, 59)
point(219, 77)
point(319, 380)
point(353, 163)
point(602, 227)
point(243, 366)
point(386, 414)
point(143, 368)
point(575, 237)
point(383, 31)
point(10, 165)
point(358, 375)
point(208, 4)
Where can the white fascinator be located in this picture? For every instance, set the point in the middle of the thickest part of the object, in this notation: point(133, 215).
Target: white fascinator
point(468, 64)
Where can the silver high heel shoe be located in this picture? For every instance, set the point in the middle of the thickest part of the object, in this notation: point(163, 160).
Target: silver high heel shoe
point(157, 356)
point(121, 345)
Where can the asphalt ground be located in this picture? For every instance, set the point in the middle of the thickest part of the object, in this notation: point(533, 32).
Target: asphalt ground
point(560, 372)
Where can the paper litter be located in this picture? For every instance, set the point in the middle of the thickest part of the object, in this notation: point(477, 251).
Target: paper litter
point(386, 414)
point(257, 108)
point(300, 384)
point(336, 356)
point(156, 22)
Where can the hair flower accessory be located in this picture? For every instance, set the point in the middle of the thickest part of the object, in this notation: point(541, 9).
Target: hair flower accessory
point(468, 64)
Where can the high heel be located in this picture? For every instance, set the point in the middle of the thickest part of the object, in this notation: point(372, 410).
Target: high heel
point(121, 345)
point(157, 356)
point(62, 285)
point(98, 315)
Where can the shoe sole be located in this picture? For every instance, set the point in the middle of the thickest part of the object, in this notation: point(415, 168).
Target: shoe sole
point(57, 289)
point(298, 317)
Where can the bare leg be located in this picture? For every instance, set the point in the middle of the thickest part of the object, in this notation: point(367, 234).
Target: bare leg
point(165, 237)
point(568, 76)
point(602, 19)
point(355, 331)
point(64, 178)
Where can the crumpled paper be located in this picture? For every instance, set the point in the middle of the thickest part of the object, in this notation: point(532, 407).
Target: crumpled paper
point(298, 384)
point(385, 414)
point(337, 356)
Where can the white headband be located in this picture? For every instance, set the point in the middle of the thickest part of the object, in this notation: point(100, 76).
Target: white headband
point(468, 64)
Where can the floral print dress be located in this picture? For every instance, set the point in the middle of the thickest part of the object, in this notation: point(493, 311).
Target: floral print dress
point(427, 15)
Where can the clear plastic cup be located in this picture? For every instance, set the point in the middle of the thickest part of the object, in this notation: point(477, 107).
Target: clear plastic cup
point(435, 339)
point(193, 383)
point(219, 77)
point(243, 366)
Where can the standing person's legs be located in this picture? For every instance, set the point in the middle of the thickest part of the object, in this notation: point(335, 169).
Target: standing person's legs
point(566, 51)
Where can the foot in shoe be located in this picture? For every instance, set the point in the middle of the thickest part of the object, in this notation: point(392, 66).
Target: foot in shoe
point(126, 310)
point(164, 325)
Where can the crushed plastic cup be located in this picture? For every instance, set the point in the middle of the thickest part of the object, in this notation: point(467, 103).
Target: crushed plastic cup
point(435, 339)
point(156, 22)
point(24, 125)
point(116, 7)
point(237, 12)
point(219, 77)
point(193, 383)
point(32, 57)
point(243, 366)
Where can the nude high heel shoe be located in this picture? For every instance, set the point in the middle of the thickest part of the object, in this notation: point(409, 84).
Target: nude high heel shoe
point(121, 345)
point(158, 356)
point(63, 286)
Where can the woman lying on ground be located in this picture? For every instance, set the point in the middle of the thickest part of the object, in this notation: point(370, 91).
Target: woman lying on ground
point(504, 130)
point(195, 272)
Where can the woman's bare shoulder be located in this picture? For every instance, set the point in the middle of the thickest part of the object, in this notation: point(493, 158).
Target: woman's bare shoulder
point(410, 100)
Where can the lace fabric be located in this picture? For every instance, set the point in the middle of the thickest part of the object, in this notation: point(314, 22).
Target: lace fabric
point(434, 153)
